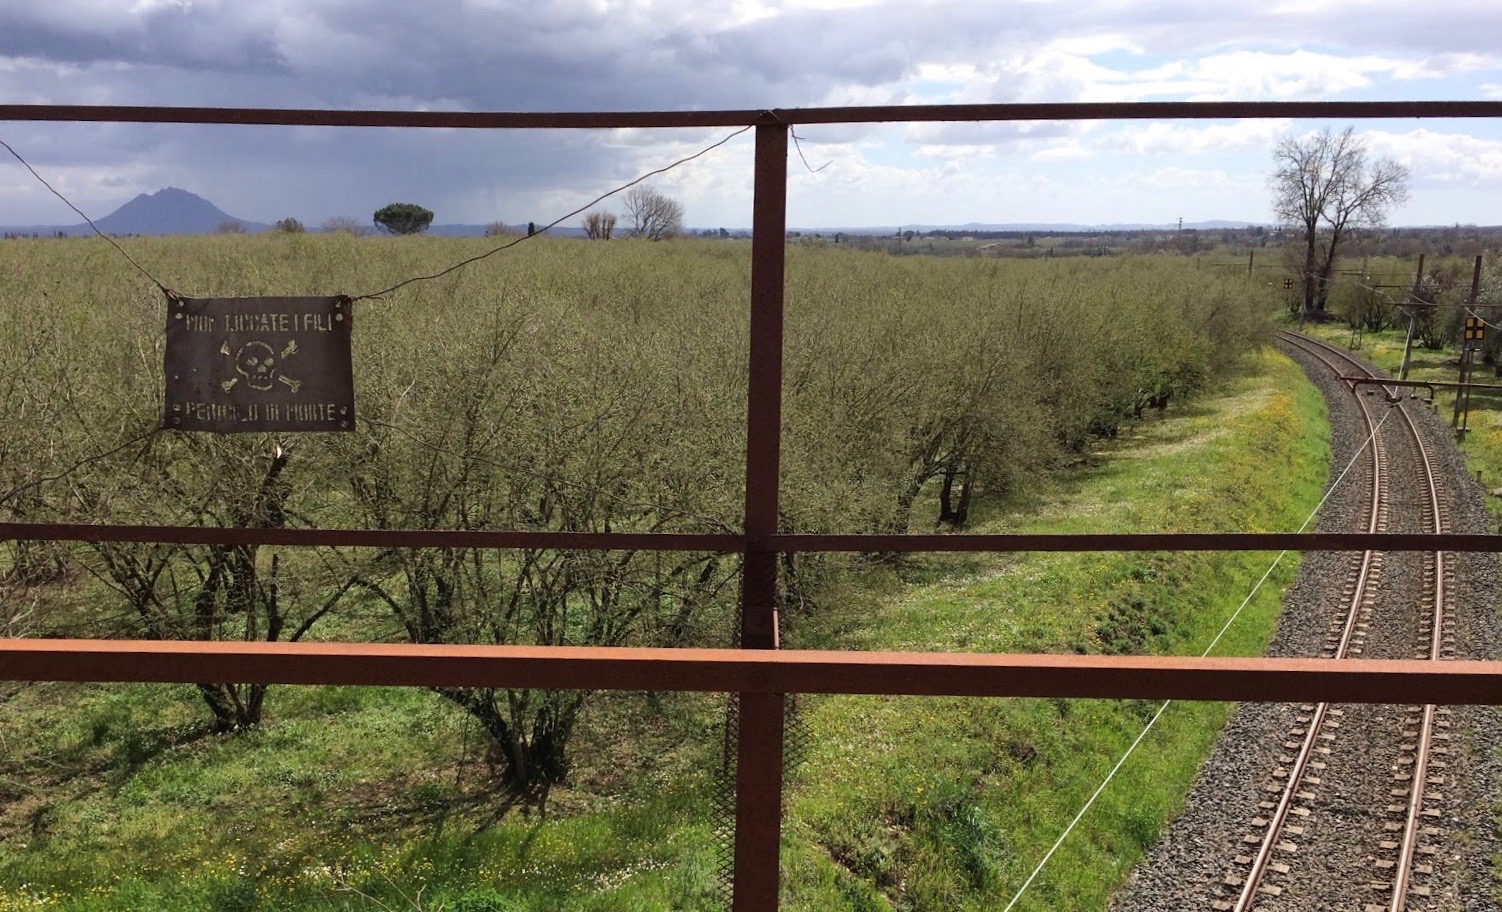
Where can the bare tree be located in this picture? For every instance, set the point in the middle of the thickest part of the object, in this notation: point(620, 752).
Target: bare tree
point(212, 592)
point(344, 224)
point(653, 214)
point(599, 225)
point(1324, 187)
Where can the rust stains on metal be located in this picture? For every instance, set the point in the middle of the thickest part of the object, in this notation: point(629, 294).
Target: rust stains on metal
point(768, 671)
point(761, 717)
point(375, 538)
point(523, 120)
point(726, 543)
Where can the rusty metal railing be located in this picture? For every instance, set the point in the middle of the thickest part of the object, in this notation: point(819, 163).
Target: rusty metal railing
point(760, 673)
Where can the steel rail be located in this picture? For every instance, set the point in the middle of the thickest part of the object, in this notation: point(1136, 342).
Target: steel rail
point(769, 671)
point(1262, 859)
point(1403, 869)
point(595, 120)
point(376, 538)
point(735, 543)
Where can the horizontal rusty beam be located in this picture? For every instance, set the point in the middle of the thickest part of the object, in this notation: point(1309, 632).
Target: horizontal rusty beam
point(727, 543)
point(758, 671)
point(374, 538)
point(544, 120)
point(1420, 384)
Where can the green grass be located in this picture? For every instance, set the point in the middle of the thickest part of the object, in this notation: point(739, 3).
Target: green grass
point(115, 797)
point(926, 804)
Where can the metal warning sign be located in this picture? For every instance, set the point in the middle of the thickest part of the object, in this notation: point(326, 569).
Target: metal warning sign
point(259, 364)
point(1475, 329)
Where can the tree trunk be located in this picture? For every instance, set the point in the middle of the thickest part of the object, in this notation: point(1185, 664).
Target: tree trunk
point(233, 710)
point(951, 511)
point(1311, 263)
point(962, 512)
point(529, 766)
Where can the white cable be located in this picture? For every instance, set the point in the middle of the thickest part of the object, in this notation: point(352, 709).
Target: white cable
point(1151, 722)
point(1309, 519)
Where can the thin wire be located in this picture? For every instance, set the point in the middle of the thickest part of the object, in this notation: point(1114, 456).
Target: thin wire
point(1153, 721)
point(1484, 321)
point(799, 146)
point(1284, 553)
point(462, 263)
point(165, 290)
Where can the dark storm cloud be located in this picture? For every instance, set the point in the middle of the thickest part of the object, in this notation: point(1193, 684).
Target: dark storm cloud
point(174, 35)
point(522, 55)
point(573, 56)
point(561, 56)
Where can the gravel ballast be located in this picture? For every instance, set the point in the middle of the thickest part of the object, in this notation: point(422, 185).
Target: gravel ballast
point(1334, 862)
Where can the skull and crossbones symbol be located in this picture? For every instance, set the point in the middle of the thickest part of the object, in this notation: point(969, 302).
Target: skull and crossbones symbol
point(257, 364)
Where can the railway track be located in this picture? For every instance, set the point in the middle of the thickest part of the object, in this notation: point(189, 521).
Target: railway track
point(1272, 854)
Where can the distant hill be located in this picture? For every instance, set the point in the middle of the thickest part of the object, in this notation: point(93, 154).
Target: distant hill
point(167, 211)
point(175, 211)
point(1050, 227)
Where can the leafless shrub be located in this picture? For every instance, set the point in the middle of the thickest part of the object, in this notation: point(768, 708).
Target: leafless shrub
point(599, 225)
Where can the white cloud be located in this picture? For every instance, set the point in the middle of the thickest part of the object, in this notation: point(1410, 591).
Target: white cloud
point(1440, 157)
point(1185, 138)
point(1180, 179)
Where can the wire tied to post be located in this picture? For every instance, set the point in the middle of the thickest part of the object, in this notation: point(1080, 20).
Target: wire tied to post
point(799, 146)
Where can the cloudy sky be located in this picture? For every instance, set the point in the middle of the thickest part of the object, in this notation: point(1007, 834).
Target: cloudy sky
point(539, 55)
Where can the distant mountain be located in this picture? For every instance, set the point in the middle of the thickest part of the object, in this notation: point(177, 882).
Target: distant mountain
point(167, 211)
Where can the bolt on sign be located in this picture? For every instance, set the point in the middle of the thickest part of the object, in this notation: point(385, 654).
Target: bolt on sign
point(259, 364)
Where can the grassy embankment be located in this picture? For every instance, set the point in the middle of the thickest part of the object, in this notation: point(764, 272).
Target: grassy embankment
point(924, 804)
point(902, 803)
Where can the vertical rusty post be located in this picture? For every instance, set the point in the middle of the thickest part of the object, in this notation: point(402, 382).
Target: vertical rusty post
point(1251, 256)
point(758, 771)
point(1461, 420)
point(1413, 318)
point(1475, 295)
